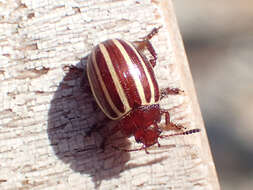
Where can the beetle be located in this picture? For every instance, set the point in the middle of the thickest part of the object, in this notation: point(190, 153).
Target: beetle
point(124, 85)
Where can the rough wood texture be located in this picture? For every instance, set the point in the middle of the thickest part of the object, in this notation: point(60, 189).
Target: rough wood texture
point(44, 115)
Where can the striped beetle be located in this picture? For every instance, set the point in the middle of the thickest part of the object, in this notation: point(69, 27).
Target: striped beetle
point(124, 85)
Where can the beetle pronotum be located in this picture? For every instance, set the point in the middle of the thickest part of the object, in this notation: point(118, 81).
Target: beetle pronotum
point(124, 85)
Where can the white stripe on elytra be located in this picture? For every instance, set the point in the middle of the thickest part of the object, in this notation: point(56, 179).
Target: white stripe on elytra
point(102, 83)
point(151, 85)
point(92, 88)
point(115, 79)
point(133, 70)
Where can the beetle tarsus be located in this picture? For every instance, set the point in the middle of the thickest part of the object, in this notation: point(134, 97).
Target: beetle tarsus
point(170, 91)
point(152, 33)
point(169, 125)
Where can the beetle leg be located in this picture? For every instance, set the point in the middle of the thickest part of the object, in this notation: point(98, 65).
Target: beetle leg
point(148, 37)
point(152, 33)
point(146, 44)
point(170, 125)
point(157, 127)
point(146, 150)
point(170, 91)
point(152, 52)
point(159, 130)
point(74, 70)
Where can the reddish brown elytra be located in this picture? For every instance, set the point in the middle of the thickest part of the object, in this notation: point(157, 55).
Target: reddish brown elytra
point(124, 85)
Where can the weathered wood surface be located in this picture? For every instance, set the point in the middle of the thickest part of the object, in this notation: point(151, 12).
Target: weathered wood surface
point(44, 115)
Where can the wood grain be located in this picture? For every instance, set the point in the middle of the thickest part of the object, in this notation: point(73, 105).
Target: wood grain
point(45, 115)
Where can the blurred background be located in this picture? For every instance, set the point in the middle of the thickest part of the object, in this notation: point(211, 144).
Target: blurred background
point(218, 38)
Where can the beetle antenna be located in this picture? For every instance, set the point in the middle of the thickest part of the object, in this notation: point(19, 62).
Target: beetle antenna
point(131, 150)
point(181, 133)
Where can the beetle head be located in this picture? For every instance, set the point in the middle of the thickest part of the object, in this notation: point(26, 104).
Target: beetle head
point(147, 137)
point(145, 119)
point(145, 116)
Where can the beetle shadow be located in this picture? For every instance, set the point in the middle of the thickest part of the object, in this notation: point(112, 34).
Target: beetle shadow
point(72, 114)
